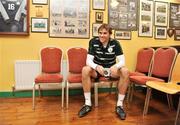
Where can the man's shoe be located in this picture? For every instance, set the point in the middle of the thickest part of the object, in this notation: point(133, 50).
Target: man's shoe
point(84, 110)
point(120, 112)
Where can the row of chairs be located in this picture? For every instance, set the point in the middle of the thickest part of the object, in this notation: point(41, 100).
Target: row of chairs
point(157, 69)
point(152, 65)
point(51, 69)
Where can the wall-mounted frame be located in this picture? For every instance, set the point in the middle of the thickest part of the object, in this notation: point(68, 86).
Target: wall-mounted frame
point(40, 2)
point(39, 25)
point(95, 27)
point(146, 18)
point(122, 14)
point(161, 14)
point(99, 17)
point(174, 18)
point(99, 4)
point(160, 33)
point(12, 20)
point(69, 19)
point(122, 35)
point(177, 34)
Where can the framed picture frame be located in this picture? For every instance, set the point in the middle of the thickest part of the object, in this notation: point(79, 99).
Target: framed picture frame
point(174, 17)
point(146, 18)
point(160, 32)
point(39, 25)
point(161, 14)
point(13, 21)
point(43, 2)
point(69, 19)
point(99, 17)
point(177, 34)
point(95, 27)
point(123, 14)
point(99, 4)
point(122, 35)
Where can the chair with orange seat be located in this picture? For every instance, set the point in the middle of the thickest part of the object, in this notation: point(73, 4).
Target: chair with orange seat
point(163, 61)
point(51, 65)
point(76, 59)
point(170, 87)
point(104, 82)
point(143, 66)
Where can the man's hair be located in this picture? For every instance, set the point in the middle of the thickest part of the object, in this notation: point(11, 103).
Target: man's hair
point(105, 26)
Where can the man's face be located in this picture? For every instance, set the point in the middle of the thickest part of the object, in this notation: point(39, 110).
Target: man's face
point(104, 35)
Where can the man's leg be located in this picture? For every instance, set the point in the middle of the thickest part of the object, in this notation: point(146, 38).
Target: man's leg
point(87, 73)
point(122, 87)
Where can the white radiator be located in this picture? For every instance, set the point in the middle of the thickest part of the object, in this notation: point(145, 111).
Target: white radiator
point(27, 70)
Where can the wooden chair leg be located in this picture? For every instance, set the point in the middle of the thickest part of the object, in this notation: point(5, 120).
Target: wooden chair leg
point(170, 102)
point(177, 114)
point(96, 94)
point(40, 94)
point(129, 93)
point(146, 105)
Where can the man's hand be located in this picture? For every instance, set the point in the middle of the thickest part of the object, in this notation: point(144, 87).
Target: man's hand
point(100, 69)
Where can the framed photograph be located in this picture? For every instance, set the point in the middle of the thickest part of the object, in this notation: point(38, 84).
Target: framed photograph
point(160, 33)
point(146, 18)
point(95, 27)
point(122, 35)
point(14, 17)
point(40, 1)
point(122, 14)
point(174, 18)
point(177, 34)
point(69, 19)
point(99, 4)
point(161, 14)
point(99, 17)
point(39, 25)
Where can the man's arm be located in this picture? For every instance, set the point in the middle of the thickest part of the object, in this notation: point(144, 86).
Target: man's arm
point(89, 61)
point(121, 61)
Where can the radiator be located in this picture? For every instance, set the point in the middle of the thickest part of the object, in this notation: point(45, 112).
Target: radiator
point(27, 70)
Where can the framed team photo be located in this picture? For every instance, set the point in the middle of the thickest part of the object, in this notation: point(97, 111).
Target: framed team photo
point(122, 35)
point(39, 25)
point(14, 17)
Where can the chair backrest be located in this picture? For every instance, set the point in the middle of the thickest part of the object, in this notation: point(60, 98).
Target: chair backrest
point(144, 60)
point(51, 59)
point(176, 70)
point(163, 62)
point(76, 59)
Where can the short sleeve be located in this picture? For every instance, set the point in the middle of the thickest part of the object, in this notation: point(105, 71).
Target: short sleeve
point(91, 48)
point(118, 48)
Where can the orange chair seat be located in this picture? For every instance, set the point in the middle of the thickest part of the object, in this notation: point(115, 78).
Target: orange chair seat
point(136, 74)
point(143, 79)
point(49, 78)
point(74, 78)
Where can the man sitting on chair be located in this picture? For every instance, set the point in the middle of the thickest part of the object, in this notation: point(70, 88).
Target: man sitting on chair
point(102, 53)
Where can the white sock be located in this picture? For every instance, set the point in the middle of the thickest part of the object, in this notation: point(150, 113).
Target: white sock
point(120, 100)
point(87, 96)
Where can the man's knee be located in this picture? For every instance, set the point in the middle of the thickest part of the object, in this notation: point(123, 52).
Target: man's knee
point(124, 72)
point(86, 70)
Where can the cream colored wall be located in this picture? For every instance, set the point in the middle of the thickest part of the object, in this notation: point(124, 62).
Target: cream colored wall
point(27, 47)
